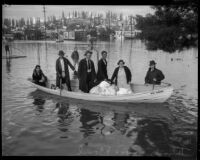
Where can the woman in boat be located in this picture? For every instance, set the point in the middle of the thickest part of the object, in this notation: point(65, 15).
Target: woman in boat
point(86, 73)
point(75, 56)
point(122, 75)
point(39, 77)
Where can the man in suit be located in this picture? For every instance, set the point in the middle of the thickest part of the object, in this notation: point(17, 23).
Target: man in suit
point(86, 73)
point(62, 71)
point(154, 75)
point(102, 68)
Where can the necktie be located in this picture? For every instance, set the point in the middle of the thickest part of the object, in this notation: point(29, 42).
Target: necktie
point(89, 66)
point(105, 62)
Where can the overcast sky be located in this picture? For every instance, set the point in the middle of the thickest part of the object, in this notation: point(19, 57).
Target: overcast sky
point(26, 11)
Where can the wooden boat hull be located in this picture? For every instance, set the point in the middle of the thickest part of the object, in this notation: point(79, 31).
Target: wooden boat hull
point(158, 95)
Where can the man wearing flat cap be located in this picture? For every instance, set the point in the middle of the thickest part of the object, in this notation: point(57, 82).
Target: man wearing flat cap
point(154, 75)
point(62, 71)
point(86, 73)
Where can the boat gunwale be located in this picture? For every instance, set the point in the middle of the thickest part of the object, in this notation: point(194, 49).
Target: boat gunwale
point(126, 96)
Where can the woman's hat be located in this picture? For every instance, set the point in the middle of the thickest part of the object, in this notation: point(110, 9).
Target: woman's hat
point(61, 52)
point(120, 61)
point(87, 52)
point(152, 62)
point(37, 66)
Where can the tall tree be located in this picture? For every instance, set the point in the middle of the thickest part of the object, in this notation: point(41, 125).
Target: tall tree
point(13, 23)
point(27, 22)
point(75, 14)
point(171, 28)
point(63, 15)
point(121, 17)
point(7, 22)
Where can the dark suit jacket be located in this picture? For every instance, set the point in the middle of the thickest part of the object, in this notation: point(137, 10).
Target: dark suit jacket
point(154, 74)
point(127, 72)
point(59, 70)
point(82, 75)
point(102, 70)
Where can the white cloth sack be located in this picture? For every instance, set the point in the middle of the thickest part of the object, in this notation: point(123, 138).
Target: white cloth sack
point(104, 84)
point(104, 88)
point(122, 91)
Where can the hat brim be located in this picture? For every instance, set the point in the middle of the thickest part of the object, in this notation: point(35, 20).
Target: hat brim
point(120, 62)
point(152, 64)
point(87, 53)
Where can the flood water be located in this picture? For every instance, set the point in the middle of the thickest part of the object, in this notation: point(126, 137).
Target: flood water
point(36, 123)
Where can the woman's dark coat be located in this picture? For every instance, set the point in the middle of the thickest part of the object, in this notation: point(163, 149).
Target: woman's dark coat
point(102, 71)
point(37, 77)
point(127, 72)
point(59, 71)
point(82, 75)
point(154, 74)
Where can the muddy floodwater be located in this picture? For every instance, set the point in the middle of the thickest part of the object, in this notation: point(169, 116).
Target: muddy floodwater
point(37, 123)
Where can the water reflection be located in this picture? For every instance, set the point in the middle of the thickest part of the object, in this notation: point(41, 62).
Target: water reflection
point(153, 137)
point(39, 102)
point(120, 120)
point(88, 119)
point(65, 117)
point(8, 64)
point(107, 123)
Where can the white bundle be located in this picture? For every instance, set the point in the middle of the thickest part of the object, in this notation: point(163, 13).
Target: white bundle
point(111, 90)
point(95, 90)
point(124, 91)
point(104, 88)
point(104, 84)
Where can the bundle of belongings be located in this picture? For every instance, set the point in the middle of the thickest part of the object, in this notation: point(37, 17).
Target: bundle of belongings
point(104, 88)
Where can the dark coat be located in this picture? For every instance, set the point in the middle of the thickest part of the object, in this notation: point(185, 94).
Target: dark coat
point(37, 77)
point(59, 71)
point(127, 72)
point(82, 75)
point(102, 70)
point(154, 74)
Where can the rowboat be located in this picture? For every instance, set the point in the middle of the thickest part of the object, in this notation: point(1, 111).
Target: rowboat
point(141, 93)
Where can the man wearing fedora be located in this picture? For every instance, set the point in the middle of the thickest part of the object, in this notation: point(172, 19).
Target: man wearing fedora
point(86, 73)
point(154, 75)
point(62, 71)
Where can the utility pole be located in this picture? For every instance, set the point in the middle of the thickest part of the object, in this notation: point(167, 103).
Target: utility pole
point(44, 20)
point(45, 37)
point(131, 27)
point(109, 20)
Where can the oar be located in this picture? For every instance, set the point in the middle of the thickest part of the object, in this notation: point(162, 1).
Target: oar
point(60, 85)
point(153, 84)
